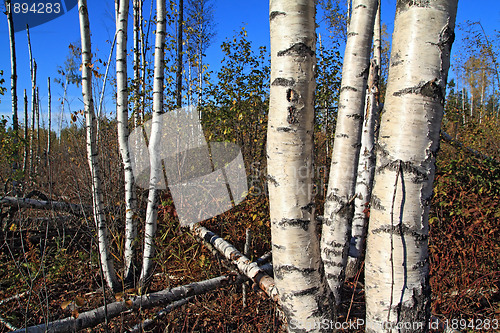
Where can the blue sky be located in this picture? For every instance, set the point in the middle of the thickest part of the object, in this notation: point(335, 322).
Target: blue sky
point(50, 41)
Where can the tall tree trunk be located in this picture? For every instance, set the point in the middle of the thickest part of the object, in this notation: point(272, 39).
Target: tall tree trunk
point(13, 83)
point(179, 54)
point(137, 5)
point(338, 204)
point(123, 132)
point(33, 118)
point(33, 101)
point(154, 141)
point(397, 260)
point(298, 273)
point(26, 129)
point(62, 108)
point(49, 111)
point(366, 165)
point(92, 152)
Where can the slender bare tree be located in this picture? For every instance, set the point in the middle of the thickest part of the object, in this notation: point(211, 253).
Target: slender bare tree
point(13, 80)
point(123, 133)
point(106, 259)
point(137, 10)
point(297, 267)
point(49, 112)
point(366, 165)
point(180, 25)
point(341, 186)
point(154, 141)
point(26, 137)
point(397, 260)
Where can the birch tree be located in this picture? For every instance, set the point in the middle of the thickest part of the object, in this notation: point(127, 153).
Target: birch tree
point(341, 186)
point(298, 275)
point(366, 164)
point(180, 24)
point(154, 141)
point(397, 262)
point(123, 133)
point(13, 79)
point(92, 152)
point(137, 9)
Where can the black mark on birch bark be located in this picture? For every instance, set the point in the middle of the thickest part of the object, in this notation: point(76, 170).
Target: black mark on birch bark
point(403, 5)
point(299, 49)
point(283, 82)
point(402, 230)
point(430, 89)
point(284, 129)
point(273, 15)
point(348, 88)
point(300, 223)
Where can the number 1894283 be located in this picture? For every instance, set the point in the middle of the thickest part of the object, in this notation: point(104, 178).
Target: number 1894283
point(35, 8)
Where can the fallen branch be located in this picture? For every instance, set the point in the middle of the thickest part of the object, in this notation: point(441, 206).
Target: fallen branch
point(457, 144)
point(74, 209)
point(148, 322)
point(7, 324)
point(15, 297)
point(245, 266)
point(94, 317)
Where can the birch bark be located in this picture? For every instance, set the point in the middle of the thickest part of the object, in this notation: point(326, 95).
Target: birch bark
point(366, 165)
point(397, 263)
point(92, 152)
point(154, 141)
point(123, 132)
point(13, 79)
point(338, 204)
point(304, 295)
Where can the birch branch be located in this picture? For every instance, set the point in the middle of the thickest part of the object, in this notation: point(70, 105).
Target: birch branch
point(94, 317)
point(46, 205)
point(148, 322)
point(245, 266)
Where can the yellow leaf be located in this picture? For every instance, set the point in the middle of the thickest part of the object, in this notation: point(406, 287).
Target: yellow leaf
point(13, 227)
point(65, 304)
point(119, 297)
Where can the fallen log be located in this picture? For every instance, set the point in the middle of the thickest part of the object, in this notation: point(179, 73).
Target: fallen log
point(244, 265)
point(94, 317)
point(74, 209)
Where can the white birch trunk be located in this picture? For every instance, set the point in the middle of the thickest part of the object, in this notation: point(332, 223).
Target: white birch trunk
point(137, 5)
point(123, 132)
point(154, 141)
point(49, 111)
point(397, 260)
point(304, 295)
point(92, 153)
point(338, 204)
point(366, 165)
point(26, 127)
point(13, 78)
